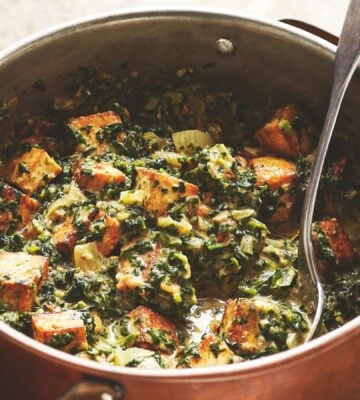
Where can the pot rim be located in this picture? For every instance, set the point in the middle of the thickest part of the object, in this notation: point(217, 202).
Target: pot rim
point(223, 372)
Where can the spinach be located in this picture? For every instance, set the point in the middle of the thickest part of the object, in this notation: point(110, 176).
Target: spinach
point(60, 340)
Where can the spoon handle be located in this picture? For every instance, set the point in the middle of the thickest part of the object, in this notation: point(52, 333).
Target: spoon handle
point(346, 60)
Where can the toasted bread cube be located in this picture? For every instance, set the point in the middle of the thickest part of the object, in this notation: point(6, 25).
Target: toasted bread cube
point(32, 170)
point(63, 330)
point(111, 235)
point(273, 171)
point(18, 208)
point(5, 220)
point(87, 127)
point(161, 189)
point(130, 278)
point(287, 133)
point(211, 351)
point(156, 276)
point(27, 209)
point(21, 276)
point(240, 326)
point(9, 200)
point(277, 173)
point(93, 176)
point(152, 331)
point(65, 236)
point(284, 211)
point(332, 242)
point(262, 325)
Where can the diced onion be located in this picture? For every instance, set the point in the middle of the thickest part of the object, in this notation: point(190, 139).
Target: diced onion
point(287, 278)
point(144, 357)
point(247, 244)
point(172, 158)
point(86, 257)
point(75, 195)
point(132, 197)
point(242, 213)
point(153, 139)
point(187, 141)
point(183, 227)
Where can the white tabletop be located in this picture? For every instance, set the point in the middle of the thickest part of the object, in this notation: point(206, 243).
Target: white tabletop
point(19, 18)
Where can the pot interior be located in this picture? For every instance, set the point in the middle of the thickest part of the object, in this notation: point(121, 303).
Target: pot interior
point(267, 62)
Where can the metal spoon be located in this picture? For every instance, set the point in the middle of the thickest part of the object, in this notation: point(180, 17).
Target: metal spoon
point(346, 60)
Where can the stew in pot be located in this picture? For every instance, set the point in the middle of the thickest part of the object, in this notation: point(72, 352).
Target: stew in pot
point(155, 225)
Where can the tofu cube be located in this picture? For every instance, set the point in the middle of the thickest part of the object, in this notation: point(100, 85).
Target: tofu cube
point(288, 133)
point(87, 130)
point(151, 330)
point(332, 243)
point(92, 176)
point(21, 276)
point(18, 209)
point(211, 351)
point(63, 330)
point(32, 170)
point(162, 190)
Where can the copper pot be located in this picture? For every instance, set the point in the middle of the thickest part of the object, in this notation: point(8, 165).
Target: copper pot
point(259, 59)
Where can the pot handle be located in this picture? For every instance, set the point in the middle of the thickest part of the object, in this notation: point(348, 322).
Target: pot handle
point(94, 389)
point(312, 29)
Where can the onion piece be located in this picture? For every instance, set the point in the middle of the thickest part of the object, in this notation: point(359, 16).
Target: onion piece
point(87, 257)
point(74, 195)
point(187, 141)
point(153, 139)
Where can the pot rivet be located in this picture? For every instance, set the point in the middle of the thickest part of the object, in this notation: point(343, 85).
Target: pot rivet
point(225, 46)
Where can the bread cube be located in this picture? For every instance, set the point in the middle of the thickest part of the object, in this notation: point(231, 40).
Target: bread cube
point(5, 220)
point(288, 133)
point(332, 243)
point(27, 209)
point(261, 325)
point(32, 170)
point(65, 236)
point(211, 351)
point(130, 277)
point(152, 331)
point(284, 211)
point(63, 330)
point(240, 326)
point(21, 276)
point(92, 176)
point(18, 209)
point(156, 276)
point(277, 173)
point(87, 130)
point(162, 190)
point(274, 172)
point(9, 201)
point(111, 236)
